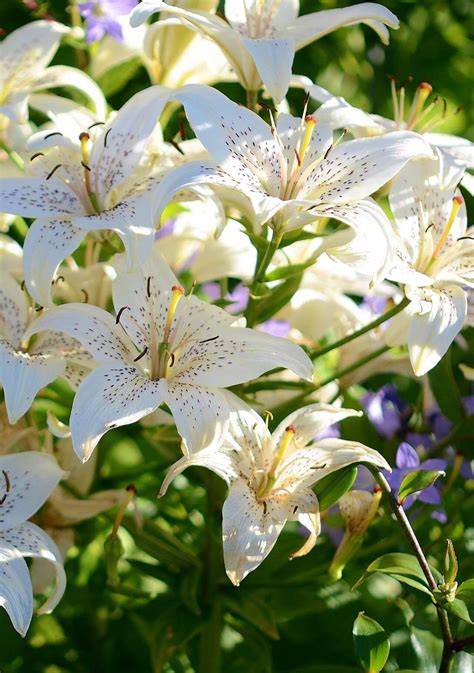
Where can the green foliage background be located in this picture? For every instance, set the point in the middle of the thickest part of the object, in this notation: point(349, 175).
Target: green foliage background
point(287, 617)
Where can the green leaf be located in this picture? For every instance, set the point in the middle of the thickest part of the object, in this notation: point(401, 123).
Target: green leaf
point(333, 486)
point(118, 76)
point(371, 643)
point(445, 390)
point(255, 611)
point(418, 481)
point(277, 298)
point(402, 567)
point(466, 592)
point(458, 608)
point(287, 271)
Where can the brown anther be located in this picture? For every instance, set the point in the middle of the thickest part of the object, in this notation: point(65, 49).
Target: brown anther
point(50, 135)
point(298, 158)
point(291, 428)
point(86, 296)
point(177, 288)
point(119, 314)
point(171, 360)
point(85, 166)
point(182, 130)
point(106, 136)
point(35, 156)
point(148, 287)
point(131, 488)
point(51, 173)
point(425, 86)
point(176, 146)
point(142, 354)
point(84, 136)
point(95, 124)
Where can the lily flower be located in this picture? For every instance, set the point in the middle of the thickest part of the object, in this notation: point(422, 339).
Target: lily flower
point(294, 173)
point(270, 477)
point(259, 39)
point(25, 55)
point(27, 365)
point(76, 187)
point(433, 256)
point(26, 480)
point(163, 347)
point(422, 116)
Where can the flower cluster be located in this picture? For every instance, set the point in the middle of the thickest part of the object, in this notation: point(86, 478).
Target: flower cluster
point(233, 285)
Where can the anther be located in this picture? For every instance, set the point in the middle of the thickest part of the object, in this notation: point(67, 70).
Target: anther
point(50, 135)
point(95, 124)
point(148, 287)
point(35, 156)
point(86, 296)
point(23, 285)
point(84, 137)
point(142, 354)
point(85, 166)
point(106, 136)
point(182, 130)
point(119, 314)
point(51, 173)
point(171, 360)
point(205, 341)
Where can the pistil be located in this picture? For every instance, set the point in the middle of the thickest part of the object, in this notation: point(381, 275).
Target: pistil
point(285, 442)
point(457, 203)
point(161, 361)
point(423, 90)
point(84, 138)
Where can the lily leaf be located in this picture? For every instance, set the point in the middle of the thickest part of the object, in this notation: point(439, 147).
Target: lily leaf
point(402, 567)
point(418, 481)
point(331, 488)
point(287, 271)
point(371, 643)
point(459, 608)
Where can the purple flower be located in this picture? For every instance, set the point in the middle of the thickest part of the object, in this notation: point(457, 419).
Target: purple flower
point(239, 296)
point(385, 410)
point(101, 19)
point(278, 328)
point(407, 461)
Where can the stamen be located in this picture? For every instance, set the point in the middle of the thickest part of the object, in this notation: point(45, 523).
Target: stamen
point(58, 278)
point(465, 238)
point(268, 417)
point(290, 432)
point(177, 293)
point(171, 360)
point(310, 122)
point(50, 135)
point(51, 173)
point(84, 139)
point(142, 354)
point(119, 314)
point(35, 156)
point(457, 203)
point(148, 287)
point(95, 124)
point(393, 88)
point(106, 136)
point(423, 90)
point(205, 341)
point(182, 130)
point(86, 296)
point(176, 146)
point(334, 144)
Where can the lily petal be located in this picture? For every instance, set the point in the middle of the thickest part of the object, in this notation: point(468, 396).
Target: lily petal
point(26, 479)
point(109, 397)
point(33, 197)
point(16, 592)
point(273, 58)
point(311, 421)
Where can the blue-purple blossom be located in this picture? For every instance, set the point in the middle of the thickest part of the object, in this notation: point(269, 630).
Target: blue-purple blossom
point(407, 461)
point(385, 410)
point(101, 18)
point(238, 297)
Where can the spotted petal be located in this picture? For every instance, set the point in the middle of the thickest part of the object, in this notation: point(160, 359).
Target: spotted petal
point(33, 197)
point(47, 244)
point(30, 541)
point(64, 76)
point(109, 397)
point(13, 309)
point(249, 530)
point(273, 58)
point(26, 481)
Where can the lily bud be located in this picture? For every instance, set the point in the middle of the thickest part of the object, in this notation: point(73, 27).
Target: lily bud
point(113, 552)
point(357, 508)
point(450, 563)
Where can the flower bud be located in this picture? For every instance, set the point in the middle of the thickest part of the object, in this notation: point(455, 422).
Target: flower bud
point(113, 552)
point(450, 563)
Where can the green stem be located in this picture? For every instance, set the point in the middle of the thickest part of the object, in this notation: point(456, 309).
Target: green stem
point(261, 267)
point(397, 509)
point(252, 97)
point(367, 328)
point(13, 156)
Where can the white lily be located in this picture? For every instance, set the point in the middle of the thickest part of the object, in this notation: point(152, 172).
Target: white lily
point(25, 55)
point(260, 38)
point(188, 241)
point(26, 368)
point(270, 476)
point(79, 187)
point(421, 116)
point(163, 347)
point(26, 480)
point(433, 256)
point(294, 174)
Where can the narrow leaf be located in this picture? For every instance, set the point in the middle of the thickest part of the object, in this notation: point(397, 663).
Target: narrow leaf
point(418, 481)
